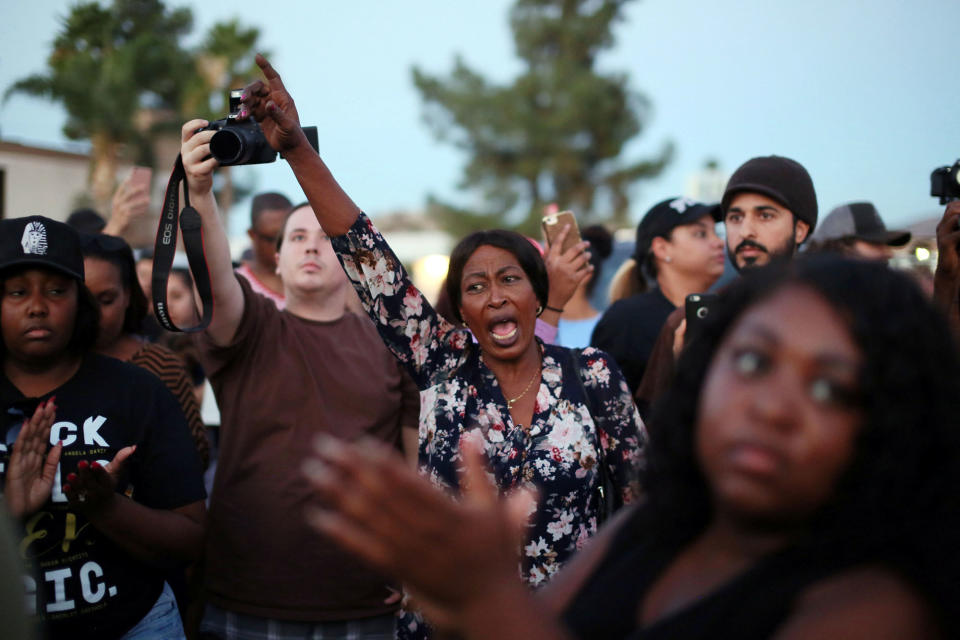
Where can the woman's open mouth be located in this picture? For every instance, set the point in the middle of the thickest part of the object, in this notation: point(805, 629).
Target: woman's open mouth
point(504, 332)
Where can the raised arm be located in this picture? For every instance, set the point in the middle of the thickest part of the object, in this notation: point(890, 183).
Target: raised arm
point(227, 294)
point(428, 346)
point(271, 105)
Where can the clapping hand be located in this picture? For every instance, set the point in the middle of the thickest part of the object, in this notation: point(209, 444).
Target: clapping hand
point(449, 554)
point(93, 487)
point(31, 468)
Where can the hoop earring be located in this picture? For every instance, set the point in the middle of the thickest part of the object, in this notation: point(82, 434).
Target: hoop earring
point(539, 310)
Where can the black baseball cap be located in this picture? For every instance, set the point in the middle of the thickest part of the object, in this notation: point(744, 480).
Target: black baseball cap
point(665, 216)
point(860, 221)
point(42, 242)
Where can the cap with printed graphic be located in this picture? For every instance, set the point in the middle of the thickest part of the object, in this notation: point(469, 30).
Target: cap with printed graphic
point(42, 242)
point(859, 221)
point(665, 216)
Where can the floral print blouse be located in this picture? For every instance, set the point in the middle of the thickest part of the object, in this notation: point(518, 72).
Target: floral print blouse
point(459, 396)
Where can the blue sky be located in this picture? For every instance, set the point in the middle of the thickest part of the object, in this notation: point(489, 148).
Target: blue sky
point(865, 95)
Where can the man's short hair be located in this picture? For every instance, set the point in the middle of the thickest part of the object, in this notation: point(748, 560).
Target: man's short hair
point(269, 201)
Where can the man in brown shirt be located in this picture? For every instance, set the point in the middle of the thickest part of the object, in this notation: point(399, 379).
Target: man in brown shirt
point(281, 377)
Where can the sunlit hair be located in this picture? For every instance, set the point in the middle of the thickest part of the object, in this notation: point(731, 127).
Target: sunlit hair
point(898, 501)
point(526, 254)
point(626, 281)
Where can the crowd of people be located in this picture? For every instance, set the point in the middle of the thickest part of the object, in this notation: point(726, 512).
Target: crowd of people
point(510, 463)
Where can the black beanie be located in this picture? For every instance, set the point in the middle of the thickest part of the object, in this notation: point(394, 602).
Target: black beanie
point(779, 178)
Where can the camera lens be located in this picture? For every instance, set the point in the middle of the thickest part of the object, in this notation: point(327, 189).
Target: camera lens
point(226, 146)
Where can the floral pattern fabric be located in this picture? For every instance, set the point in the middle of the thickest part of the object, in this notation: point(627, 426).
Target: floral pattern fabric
point(576, 423)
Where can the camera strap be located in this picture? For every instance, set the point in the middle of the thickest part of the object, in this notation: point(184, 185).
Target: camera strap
point(166, 247)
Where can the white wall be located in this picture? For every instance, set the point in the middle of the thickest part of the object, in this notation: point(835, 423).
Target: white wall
point(41, 181)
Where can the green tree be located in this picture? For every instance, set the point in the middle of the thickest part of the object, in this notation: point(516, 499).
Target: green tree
point(223, 61)
point(108, 65)
point(555, 134)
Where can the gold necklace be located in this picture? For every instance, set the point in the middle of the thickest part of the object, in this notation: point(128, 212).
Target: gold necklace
point(510, 401)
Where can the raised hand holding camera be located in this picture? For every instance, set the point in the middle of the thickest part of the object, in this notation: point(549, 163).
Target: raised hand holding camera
point(239, 140)
point(236, 141)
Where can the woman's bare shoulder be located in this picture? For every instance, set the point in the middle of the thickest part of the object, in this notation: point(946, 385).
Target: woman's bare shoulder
point(862, 602)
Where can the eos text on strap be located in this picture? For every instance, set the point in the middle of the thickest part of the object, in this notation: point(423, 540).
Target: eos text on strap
point(166, 247)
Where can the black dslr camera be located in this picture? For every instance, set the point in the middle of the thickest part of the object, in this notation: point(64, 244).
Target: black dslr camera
point(237, 143)
point(945, 183)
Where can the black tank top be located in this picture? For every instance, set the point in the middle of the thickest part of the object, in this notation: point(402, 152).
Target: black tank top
point(751, 605)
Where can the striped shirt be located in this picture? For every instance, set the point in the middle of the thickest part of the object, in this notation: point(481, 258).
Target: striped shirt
point(170, 368)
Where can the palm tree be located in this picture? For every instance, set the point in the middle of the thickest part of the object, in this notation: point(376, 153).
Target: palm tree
point(107, 65)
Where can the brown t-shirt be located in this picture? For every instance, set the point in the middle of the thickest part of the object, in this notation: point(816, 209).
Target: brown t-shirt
point(283, 380)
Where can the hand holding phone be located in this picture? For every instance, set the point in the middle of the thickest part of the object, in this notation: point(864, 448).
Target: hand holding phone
point(131, 201)
point(554, 223)
point(696, 309)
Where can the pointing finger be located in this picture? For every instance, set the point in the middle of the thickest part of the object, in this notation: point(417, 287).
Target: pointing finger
point(269, 72)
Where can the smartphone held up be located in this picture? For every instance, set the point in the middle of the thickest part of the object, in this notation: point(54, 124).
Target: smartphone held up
point(554, 223)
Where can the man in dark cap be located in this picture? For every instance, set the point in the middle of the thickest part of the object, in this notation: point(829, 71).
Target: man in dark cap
point(856, 230)
point(769, 209)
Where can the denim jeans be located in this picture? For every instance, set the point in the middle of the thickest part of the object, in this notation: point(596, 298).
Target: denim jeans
point(162, 622)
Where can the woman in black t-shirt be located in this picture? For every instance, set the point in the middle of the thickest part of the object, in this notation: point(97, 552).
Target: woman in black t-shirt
point(119, 497)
